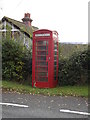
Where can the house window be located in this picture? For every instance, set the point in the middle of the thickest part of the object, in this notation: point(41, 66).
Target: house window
point(27, 41)
point(16, 35)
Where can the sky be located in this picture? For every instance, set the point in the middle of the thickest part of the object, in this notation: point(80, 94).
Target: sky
point(68, 17)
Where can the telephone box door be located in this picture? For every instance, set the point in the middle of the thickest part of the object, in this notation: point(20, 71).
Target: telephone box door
point(41, 63)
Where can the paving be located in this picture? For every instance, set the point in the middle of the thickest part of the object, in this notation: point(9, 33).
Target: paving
point(40, 106)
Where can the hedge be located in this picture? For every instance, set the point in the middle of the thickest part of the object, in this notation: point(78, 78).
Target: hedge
point(16, 61)
point(74, 71)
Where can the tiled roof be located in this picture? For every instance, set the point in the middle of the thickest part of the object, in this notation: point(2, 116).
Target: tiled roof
point(20, 25)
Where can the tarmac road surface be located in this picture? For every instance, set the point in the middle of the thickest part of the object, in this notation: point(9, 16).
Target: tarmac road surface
point(16, 105)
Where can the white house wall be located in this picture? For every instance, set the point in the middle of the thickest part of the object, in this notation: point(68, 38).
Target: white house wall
point(23, 38)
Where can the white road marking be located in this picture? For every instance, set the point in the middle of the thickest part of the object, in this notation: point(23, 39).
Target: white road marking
point(11, 104)
point(75, 112)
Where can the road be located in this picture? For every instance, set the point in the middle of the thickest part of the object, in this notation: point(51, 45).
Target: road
point(40, 106)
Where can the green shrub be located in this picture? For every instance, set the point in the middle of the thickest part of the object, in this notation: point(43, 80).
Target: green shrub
point(15, 61)
point(74, 70)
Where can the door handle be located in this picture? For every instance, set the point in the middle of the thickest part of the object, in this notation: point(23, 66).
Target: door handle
point(47, 58)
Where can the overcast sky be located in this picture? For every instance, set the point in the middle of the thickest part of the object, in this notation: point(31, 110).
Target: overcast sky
point(68, 17)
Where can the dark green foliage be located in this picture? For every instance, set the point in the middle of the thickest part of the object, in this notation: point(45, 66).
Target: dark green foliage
point(15, 61)
point(74, 70)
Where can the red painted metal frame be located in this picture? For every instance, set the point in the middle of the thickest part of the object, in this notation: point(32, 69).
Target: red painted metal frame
point(53, 36)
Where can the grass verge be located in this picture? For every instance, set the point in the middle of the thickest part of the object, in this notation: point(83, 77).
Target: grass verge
point(81, 91)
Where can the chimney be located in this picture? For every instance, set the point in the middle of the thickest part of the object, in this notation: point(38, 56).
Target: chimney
point(27, 20)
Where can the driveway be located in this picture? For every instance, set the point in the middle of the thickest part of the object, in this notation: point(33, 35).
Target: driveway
point(16, 105)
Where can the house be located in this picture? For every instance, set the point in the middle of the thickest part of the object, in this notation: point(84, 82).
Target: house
point(17, 30)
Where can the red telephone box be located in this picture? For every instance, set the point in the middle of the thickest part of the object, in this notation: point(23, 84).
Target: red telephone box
point(45, 59)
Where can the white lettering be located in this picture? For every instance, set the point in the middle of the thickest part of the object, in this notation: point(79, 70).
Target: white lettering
point(39, 35)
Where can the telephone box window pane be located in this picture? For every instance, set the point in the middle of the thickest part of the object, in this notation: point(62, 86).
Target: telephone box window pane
point(55, 46)
point(55, 67)
point(55, 63)
point(42, 74)
point(44, 79)
point(41, 63)
point(47, 47)
point(55, 77)
point(41, 53)
point(55, 52)
point(55, 42)
point(41, 48)
point(55, 57)
point(41, 43)
point(41, 58)
point(39, 78)
point(55, 74)
point(41, 69)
